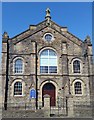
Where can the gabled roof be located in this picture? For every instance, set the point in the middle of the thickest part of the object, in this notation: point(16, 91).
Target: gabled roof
point(33, 29)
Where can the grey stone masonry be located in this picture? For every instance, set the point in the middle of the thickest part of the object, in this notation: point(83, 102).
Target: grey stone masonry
point(73, 89)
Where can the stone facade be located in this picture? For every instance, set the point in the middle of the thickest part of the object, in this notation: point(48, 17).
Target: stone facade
point(28, 47)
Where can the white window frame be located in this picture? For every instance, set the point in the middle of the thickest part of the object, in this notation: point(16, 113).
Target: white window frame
point(80, 66)
point(39, 59)
point(23, 87)
point(49, 34)
point(14, 65)
point(82, 87)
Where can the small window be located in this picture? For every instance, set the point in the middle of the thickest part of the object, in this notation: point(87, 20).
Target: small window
point(48, 37)
point(18, 66)
point(18, 88)
point(78, 88)
point(76, 66)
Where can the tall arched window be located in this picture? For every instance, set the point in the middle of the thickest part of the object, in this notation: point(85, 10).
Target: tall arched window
point(18, 88)
point(78, 87)
point(48, 61)
point(76, 66)
point(18, 68)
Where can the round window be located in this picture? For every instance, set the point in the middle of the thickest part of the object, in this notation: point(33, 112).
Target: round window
point(48, 37)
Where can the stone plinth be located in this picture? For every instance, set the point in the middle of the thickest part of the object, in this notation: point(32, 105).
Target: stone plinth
point(47, 105)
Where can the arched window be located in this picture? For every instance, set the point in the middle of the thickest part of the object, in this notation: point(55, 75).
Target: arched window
point(18, 88)
point(76, 66)
point(48, 61)
point(18, 68)
point(78, 87)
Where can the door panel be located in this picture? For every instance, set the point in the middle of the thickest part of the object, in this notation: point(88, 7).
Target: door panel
point(50, 90)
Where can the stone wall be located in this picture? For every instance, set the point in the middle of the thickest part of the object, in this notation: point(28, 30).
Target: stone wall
point(67, 46)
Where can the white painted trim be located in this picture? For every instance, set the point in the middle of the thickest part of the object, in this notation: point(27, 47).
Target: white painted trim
point(82, 87)
point(46, 48)
point(81, 66)
point(14, 65)
point(49, 34)
point(23, 87)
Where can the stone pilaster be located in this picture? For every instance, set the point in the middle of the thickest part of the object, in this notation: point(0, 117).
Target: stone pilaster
point(65, 72)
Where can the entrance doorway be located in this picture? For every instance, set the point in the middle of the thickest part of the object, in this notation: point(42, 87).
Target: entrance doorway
point(49, 89)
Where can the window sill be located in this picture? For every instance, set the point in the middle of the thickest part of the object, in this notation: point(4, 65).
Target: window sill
point(78, 95)
point(18, 73)
point(48, 73)
point(18, 95)
point(76, 73)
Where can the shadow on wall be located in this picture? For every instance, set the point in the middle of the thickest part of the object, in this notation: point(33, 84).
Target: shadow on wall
point(0, 94)
point(0, 88)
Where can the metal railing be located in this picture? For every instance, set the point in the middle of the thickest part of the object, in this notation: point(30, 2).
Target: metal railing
point(60, 109)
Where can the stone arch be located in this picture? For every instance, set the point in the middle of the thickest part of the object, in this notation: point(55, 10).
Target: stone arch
point(49, 89)
point(41, 87)
point(39, 58)
point(23, 86)
point(81, 65)
point(23, 62)
point(82, 87)
point(47, 47)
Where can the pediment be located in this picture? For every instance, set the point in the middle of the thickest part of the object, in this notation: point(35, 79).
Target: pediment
point(33, 29)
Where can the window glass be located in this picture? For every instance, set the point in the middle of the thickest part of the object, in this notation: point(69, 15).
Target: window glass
point(18, 66)
point(52, 53)
point(52, 69)
point(48, 37)
point(78, 88)
point(18, 88)
point(44, 61)
point(44, 53)
point(48, 62)
point(43, 69)
point(76, 66)
point(53, 62)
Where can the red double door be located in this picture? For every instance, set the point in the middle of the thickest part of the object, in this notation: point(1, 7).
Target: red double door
point(49, 89)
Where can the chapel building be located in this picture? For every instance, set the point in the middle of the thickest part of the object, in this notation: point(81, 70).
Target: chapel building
point(47, 60)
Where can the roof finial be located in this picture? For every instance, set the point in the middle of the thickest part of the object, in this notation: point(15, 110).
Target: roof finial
point(87, 40)
point(48, 17)
point(48, 13)
point(5, 35)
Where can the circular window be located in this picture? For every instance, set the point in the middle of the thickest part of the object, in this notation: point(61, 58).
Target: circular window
point(48, 37)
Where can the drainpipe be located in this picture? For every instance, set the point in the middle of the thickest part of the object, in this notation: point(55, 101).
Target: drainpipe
point(36, 74)
point(6, 86)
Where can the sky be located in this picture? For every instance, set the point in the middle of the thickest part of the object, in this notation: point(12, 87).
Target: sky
point(77, 16)
point(47, 0)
